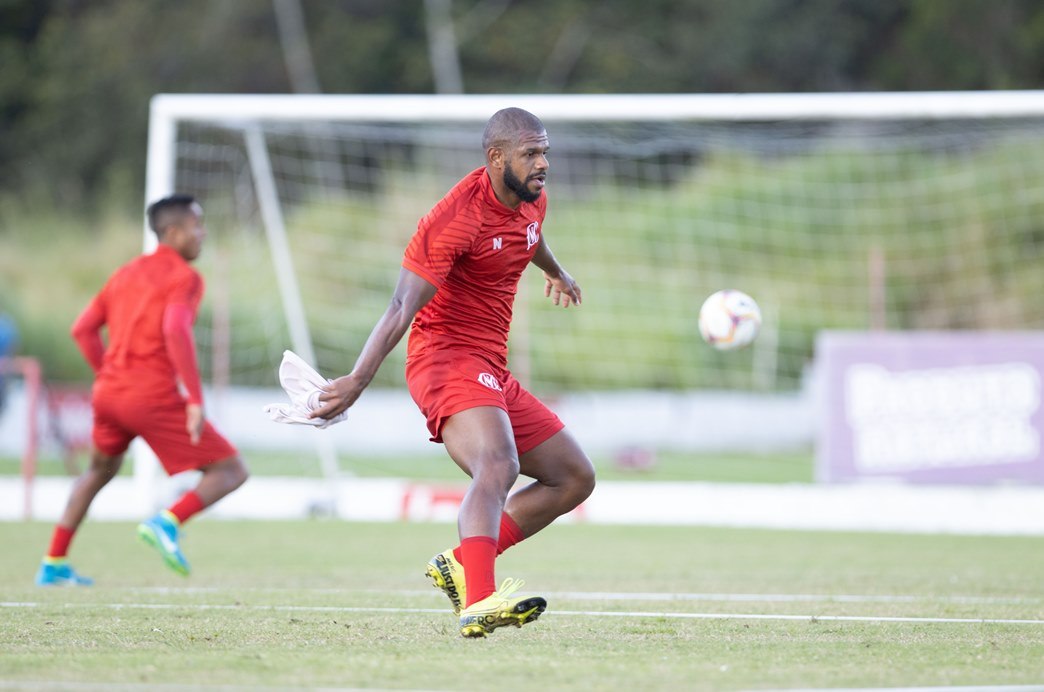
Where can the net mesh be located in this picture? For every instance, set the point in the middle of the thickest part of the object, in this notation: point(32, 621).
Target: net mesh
point(827, 224)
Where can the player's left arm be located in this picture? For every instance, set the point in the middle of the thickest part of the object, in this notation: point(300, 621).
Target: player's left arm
point(178, 316)
point(558, 284)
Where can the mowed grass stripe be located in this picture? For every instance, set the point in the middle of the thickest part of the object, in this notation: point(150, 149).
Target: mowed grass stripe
point(59, 685)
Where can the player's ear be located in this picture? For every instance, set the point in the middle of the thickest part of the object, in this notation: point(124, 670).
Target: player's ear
point(169, 232)
point(495, 157)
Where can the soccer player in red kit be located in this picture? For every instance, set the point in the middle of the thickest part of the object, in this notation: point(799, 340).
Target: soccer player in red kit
point(148, 306)
point(456, 287)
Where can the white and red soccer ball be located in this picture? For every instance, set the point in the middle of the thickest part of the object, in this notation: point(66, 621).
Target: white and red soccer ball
point(729, 319)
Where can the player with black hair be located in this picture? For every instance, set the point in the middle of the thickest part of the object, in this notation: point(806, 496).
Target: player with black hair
point(148, 306)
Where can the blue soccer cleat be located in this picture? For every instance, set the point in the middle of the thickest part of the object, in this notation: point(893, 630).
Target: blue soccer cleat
point(58, 572)
point(161, 532)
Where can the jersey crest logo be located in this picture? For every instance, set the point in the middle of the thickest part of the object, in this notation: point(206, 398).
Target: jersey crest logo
point(498, 243)
point(532, 234)
point(488, 380)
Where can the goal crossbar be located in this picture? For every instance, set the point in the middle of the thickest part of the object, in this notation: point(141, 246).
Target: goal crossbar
point(167, 110)
point(650, 107)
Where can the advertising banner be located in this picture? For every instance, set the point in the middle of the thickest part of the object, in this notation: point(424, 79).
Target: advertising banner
point(930, 407)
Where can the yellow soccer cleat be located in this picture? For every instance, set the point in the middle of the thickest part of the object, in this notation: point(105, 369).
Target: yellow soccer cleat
point(500, 608)
point(448, 574)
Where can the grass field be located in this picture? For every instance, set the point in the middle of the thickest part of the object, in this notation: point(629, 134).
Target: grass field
point(300, 605)
point(795, 467)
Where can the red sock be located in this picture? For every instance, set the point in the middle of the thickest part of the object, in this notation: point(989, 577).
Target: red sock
point(479, 553)
point(510, 533)
point(60, 540)
point(188, 505)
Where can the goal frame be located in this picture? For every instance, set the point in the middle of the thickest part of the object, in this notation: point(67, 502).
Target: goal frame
point(30, 371)
point(168, 111)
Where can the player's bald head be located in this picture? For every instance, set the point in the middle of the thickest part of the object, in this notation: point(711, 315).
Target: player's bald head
point(507, 125)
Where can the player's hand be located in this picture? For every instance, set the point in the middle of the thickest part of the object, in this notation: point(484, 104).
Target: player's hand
point(194, 420)
point(562, 290)
point(337, 396)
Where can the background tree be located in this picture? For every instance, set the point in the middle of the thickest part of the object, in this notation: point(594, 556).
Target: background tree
point(76, 76)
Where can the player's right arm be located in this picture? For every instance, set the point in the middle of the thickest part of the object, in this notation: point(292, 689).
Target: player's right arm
point(86, 332)
point(412, 292)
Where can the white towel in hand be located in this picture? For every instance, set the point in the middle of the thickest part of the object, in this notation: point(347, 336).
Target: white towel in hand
point(303, 385)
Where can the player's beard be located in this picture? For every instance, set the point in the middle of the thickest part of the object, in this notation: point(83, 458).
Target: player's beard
point(518, 186)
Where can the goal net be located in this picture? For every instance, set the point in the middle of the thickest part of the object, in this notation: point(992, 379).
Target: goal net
point(852, 211)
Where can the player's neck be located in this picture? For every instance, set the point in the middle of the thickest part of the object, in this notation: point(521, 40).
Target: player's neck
point(505, 196)
point(175, 248)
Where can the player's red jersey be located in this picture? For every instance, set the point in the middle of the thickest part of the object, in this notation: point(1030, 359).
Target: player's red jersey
point(133, 304)
point(474, 250)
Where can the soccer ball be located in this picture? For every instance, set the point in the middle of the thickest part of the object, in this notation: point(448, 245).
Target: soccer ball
point(729, 319)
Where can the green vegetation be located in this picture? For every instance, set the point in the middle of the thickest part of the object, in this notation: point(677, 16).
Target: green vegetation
point(959, 257)
point(74, 103)
point(299, 605)
point(807, 263)
point(52, 263)
point(73, 123)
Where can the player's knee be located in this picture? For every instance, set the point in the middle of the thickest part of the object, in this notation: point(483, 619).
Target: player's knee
point(577, 477)
point(583, 480)
point(508, 471)
point(499, 469)
point(232, 473)
point(237, 473)
point(105, 467)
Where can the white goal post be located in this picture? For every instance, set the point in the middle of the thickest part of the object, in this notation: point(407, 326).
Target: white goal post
point(846, 210)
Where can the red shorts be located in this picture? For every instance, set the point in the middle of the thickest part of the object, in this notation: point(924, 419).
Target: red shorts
point(161, 424)
point(448, 382)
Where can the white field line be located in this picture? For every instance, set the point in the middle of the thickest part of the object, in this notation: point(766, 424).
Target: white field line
point(968, 688)
point(794, 598)
point(57, 685)
point(580, 613)
point(648, 596)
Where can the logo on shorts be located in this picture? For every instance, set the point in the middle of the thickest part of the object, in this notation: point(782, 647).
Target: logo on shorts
point(532, 234)
point(488, 380)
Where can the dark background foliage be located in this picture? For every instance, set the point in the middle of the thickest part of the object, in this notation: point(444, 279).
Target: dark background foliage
point(76, 76)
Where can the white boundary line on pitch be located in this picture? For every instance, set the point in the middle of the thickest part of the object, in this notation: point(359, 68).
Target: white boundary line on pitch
point(52, 685)
point(581, 613)
point(647, 596)
point(948, 688)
